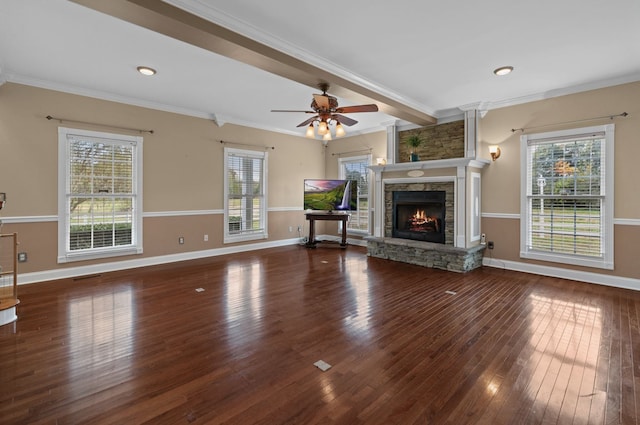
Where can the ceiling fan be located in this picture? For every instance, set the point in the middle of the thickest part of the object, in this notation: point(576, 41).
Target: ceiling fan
point(329, 113)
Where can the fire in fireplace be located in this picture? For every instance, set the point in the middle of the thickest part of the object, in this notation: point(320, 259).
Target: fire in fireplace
point(420, 222)
point(419, 215)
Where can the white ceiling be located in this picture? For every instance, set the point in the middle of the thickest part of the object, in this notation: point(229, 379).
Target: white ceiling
point(433, 55)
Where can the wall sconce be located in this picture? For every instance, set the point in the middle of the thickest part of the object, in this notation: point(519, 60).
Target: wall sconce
point(494, 150)
point(381, 161)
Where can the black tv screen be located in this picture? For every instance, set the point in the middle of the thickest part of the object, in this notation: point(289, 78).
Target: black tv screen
point(330, 195)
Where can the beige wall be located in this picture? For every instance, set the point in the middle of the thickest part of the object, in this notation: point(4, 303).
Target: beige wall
point(373, 143)
point(183, 170)
point(501, 180)
point(182, 166)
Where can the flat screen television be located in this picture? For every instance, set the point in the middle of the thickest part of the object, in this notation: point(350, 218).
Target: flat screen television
point(330, 195)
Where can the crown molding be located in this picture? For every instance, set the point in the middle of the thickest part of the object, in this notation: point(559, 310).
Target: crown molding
point(593, 85)
point(485, 106)
point(217, 119)
point(97, 94)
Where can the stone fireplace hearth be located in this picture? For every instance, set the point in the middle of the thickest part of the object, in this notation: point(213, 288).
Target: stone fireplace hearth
point(426, 254)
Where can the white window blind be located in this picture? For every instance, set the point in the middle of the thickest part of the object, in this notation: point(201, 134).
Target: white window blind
point(100, 194)
point(356, 168)
point(567, 205)
point(245, 195)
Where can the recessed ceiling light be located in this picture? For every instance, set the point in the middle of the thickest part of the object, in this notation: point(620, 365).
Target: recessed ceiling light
point(145, 70)
point(503, 70)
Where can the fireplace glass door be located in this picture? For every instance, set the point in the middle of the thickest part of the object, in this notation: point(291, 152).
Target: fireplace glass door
point(419, 215)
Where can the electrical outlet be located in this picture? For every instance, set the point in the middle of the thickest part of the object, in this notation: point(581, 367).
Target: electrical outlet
point(22, 257)
point(299, 228)
point(181, 240)
point(490, 244)
point(290, 229)
point(483, 239)
point(206, 238)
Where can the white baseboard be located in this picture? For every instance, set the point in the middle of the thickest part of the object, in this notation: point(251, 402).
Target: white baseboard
point(581, 276)
point(70, 272)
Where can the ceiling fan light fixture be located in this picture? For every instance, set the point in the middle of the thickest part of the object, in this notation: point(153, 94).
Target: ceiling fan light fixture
point(311, 134)
point(327, 136)
point(145, 70)
point(328, 114)
point(322, 128)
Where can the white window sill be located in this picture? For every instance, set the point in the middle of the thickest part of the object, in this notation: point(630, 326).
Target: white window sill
point(244, 238)
point(568, 259)
point(98, 254)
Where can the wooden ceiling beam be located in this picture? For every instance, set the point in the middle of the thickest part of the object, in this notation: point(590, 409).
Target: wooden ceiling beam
point(174, 22)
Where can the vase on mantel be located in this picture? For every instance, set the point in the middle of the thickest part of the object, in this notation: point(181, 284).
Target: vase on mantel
point(413, 142)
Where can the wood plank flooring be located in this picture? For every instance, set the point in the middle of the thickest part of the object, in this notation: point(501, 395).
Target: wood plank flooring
point(143, 346)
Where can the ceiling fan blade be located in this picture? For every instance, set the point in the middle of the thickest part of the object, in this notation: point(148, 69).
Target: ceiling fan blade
point(292, 110)
point(322, 100)
point(307, 122)
point(358, 108)
point(344, 120)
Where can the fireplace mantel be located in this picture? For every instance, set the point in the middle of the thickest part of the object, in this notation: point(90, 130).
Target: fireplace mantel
point(432, 165)
point(466, 187)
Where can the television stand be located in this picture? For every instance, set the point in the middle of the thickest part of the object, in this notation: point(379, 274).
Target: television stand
point(313, 216)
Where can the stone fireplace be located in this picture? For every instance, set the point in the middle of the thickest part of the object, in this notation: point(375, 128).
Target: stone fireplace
point(437, 209)
point(428, 212)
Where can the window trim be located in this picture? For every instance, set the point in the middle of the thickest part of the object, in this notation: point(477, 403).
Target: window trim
point(359, 158)
point(607, 260)
point(232, 238)
point(64, 254)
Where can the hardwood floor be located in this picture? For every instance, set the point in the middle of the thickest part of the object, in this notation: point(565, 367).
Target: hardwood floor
point(144, 346)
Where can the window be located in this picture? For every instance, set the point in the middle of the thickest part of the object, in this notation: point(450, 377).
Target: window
point(99, 195)
point(245, 196)
point(567, 204)
point(356, 168)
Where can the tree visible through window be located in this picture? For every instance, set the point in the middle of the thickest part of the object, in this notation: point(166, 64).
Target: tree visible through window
point(356, 168)
point(568, 187)
point(245, 176)
point(100, 194)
